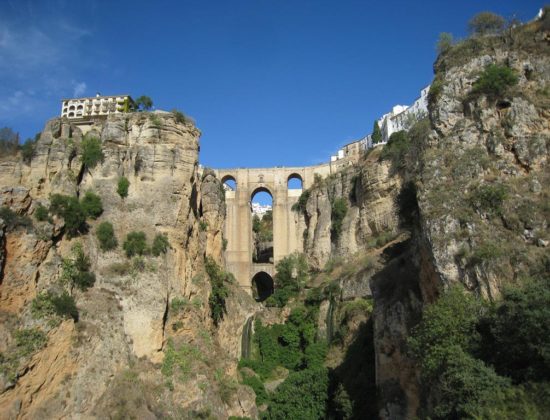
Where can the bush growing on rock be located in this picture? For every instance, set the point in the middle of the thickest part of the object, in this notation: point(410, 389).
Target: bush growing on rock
point(486, 23)
point(91, 152)
point(71, 211)
point(13, 220)
point(444, 43)
point(106, 235)
point(135, 244)
point(28, 150)
point(91, 205)
point(160, 245)
point(41, 213)
point(76, 269)
point(495, 81)
point(181, 118)
point(122, 187)
point(49, 304)
point(339, 209)
point(218, 280)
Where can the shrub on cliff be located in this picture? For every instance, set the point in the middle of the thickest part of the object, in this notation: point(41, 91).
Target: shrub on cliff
point(218, 280)
point(160, 245)
point(76, 269)
point(91, 205)
point(339, 209)
point(91, 152)
point(28, 150)
point(48, 304)
point(13, 220)
point(486, 23)
point(181, 118)
point(41, 213)
point(106, 236)
point(122, 187)
point(71, 211)
point(135, 244)
point(495, 81)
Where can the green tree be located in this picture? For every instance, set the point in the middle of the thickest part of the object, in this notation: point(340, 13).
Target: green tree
point(76, 269)
point(181, 117)
point(444, 43)
point(41, 213)
point(309, 403)
point(144, 103)
point(48, 304)
point(160, 245)
point(91, 152)
point(218, 280)
point(517, 333)
point(376, 133)
point(343, 407)
point(91, 205)
point(28, 150)
point(135, 244)
point(106, 235)
point(122, 187)
point(71, 211)
point(339, 209)
point(486, 23)
point(9, 141)
point(495, 81)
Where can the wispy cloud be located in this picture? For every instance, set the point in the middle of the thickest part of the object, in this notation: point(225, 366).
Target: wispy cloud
point(79, 88)
point(41, 60)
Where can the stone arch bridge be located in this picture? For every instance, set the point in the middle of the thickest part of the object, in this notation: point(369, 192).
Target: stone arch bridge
point(287, 232)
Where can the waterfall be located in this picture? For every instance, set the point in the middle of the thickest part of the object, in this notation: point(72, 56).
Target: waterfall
point(329, 320)
point(247, 337)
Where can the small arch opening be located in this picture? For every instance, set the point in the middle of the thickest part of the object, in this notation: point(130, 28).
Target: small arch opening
point(294, 182)
point(262, 286)
point(71, 114)
point(229, 183)
point(261, 207)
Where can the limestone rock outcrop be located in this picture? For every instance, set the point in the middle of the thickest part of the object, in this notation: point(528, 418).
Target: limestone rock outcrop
point(126, 319)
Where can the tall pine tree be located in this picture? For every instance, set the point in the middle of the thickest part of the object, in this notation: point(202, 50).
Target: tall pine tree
point(376, 133)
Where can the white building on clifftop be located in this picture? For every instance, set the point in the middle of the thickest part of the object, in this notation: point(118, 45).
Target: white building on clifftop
point(82, 108)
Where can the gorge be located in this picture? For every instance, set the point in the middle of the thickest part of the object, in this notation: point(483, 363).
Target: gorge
point(448, 220)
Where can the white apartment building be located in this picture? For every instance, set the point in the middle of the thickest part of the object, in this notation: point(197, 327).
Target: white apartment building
point(259, 209)
point(96, 106)
point(402, 117)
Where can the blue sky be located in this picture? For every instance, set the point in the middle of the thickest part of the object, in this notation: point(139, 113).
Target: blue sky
point(269, 82)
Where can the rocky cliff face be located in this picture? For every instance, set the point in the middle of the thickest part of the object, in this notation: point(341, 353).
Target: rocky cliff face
point(126, 319)
point(469, 198)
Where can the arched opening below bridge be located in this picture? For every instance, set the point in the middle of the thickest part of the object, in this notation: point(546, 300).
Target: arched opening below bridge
point(262, 225)
point(262, 286)
point(229, 183)
point(295, 182)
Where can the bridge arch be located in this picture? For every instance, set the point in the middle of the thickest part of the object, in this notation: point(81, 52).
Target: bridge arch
point(262, 286)
point(229, 182)
point(260, 190)
point(295, 181)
